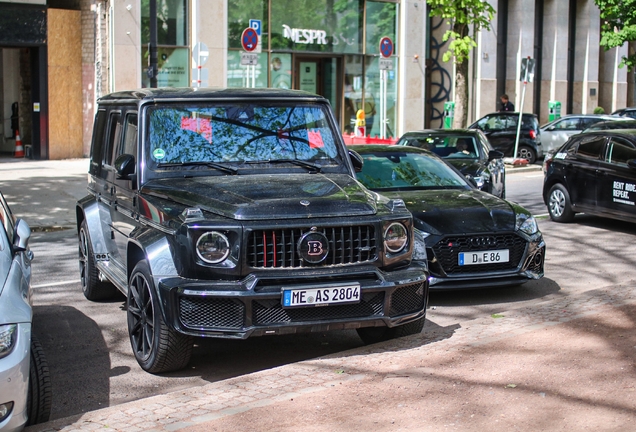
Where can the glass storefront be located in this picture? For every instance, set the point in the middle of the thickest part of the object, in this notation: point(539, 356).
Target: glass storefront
point(328, 47)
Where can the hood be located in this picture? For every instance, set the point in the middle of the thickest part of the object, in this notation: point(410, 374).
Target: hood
point(457, 211)
point(268, 196)
point(465, 166)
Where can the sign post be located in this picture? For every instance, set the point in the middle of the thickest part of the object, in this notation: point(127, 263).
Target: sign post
point(526, 76)
point(386, 63)
point(249, 41)
point(200, 55)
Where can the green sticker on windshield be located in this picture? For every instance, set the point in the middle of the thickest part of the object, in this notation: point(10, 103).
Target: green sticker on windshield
point(159, 154)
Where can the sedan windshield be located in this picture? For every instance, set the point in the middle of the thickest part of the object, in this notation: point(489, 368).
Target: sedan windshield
point(406, 170)
point(239, 132)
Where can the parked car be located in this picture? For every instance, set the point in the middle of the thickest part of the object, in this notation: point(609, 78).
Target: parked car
point(473, 239)
point(626, 112)
point(235, 213)
point(501, 130)
point(593, 173)
point(469, 151)
point(557, 132)
point(25, 389)
point(616, 123)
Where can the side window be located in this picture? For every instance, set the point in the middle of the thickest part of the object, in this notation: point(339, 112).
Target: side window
point(591, 147)
point(98, 142)
point(129, 144)
point(567, 124)
point(114, 136)
point(588, 121)
point(619, 152)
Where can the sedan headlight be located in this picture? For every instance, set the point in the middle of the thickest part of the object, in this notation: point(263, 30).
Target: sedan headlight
point(8, 336)
point(213, 247)
point(395, 237)
point(527, 224)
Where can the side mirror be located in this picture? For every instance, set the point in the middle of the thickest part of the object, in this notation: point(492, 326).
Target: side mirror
point(631, 163)
point(125, 166)
point(550, 129)
point(495, 154)
point(21, 236)
point(356, 160)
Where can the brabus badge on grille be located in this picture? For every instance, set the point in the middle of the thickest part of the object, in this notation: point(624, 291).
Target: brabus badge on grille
point(304, 202)
point(313, 247)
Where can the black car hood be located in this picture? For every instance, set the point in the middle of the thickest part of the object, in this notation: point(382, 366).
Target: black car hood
point(465, 166)
point(457, 211)
point(268, 197)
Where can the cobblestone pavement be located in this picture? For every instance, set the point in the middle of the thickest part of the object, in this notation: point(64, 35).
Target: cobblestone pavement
point(194, 407)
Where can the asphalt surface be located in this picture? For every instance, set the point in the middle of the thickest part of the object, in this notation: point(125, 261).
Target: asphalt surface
point(44, 193)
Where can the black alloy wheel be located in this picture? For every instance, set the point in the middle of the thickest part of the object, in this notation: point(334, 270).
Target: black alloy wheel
point(528, 153)
point(157, 348)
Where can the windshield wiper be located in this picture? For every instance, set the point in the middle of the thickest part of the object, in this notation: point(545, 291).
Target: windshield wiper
point(226, 169)
point(311, 166)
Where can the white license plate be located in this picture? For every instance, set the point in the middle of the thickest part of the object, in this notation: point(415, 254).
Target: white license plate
point(321, 296)
point(484, 257)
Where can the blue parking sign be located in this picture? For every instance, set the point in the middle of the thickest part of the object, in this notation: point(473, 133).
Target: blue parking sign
point(256, 25)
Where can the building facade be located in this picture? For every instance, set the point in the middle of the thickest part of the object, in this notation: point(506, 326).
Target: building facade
point(59, 56)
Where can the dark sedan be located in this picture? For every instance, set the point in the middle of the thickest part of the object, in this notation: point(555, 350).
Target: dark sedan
point(473, 239)
point(469, 151)
point(593, 173)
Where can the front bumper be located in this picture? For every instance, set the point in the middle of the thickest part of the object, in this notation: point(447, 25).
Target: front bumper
point(14, 380)
point(531, 267)
point(253, 306)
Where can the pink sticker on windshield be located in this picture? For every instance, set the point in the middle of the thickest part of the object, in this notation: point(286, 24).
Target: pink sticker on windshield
point(315, 139)
point(198, 125)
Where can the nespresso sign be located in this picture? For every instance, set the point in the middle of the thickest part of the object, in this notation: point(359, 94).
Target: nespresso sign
point(305, 36)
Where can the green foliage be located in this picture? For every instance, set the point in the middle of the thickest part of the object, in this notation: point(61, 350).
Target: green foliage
point(618, 18)
point(460, 15)
point(599, 110)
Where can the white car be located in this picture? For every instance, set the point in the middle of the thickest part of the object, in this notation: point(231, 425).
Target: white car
point(557, 132)
point(25, 386)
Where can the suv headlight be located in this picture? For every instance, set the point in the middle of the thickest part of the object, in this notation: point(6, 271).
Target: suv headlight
point(213, 247)
point(527, 224)
point(8, 336)
point(396, 237)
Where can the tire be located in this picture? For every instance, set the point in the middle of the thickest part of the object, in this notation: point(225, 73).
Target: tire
point(526, 152)
point(559, 205)
point(92, 287)
point(157, 348)
point(371, 335)
point(39, 396)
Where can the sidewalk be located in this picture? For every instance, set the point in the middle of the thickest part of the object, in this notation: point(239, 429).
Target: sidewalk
point(566, 364)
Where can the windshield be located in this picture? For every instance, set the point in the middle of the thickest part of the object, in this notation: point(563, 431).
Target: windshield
point(406, 170)
point(239, 132)
point(446, 146)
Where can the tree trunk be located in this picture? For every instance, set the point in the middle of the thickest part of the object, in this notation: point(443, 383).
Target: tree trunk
point(461, 95)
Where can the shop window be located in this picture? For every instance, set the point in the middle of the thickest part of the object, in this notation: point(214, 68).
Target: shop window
point(239, 14)
point(381, 22)
point(239, 75)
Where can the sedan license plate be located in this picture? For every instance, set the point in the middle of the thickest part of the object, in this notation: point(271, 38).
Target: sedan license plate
point(484, 257)
point(321, 296)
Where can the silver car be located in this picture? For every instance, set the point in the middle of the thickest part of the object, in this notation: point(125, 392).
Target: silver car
point(25, 386)
point(557, 132)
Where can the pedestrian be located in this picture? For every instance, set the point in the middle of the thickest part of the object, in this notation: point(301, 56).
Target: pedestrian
point(506, 105)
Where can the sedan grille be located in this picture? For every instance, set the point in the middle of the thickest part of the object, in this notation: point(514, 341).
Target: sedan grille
point(447, 252)
point(278, 248)
point(271, 312)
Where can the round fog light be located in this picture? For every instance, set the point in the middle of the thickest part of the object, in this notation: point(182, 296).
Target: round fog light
point(213, 247)
point(395, 237)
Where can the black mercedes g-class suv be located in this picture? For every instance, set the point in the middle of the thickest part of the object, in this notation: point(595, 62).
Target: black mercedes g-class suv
point(234, 213)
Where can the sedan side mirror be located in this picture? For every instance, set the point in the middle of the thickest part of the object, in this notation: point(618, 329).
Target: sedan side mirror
point(21, 236)
point(495, 154)
point(356, 160)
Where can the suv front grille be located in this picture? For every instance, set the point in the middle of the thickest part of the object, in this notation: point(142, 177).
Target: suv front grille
point(266, 312)
point(447, 252)
point(278, 248)
point(407, 299)
point(204, 313)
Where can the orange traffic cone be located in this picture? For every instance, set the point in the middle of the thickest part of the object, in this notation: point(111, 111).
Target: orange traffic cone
point(19, 148)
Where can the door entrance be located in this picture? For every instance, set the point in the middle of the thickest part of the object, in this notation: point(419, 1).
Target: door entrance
point(322, 76)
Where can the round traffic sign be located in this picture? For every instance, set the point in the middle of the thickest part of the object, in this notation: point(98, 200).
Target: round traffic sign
point(386, 47)
point(249, 39)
